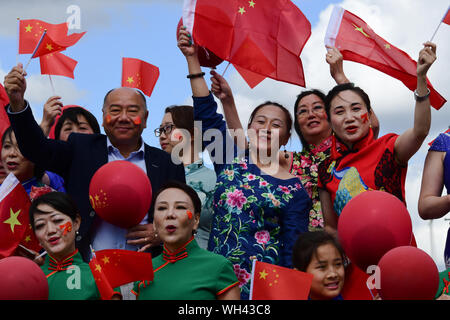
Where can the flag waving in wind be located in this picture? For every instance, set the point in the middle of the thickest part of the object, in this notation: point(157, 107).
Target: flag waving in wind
point(359, 43)
point(30, 31)
point(139, 74)
point(57, 64)
point(264, 37)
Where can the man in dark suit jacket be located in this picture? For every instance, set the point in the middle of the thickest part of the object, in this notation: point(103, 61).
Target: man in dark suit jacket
point(124, 118)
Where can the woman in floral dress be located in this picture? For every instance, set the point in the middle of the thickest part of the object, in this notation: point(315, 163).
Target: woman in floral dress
point(257, 214)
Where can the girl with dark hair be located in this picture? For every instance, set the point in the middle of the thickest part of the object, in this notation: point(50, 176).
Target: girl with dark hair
point(177, 135)
point(184, 271)
point(321, 255)
point(55, 221)
point(362, 162)
point(259, 206)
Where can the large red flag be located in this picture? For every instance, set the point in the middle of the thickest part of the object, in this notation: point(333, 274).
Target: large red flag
point(102, 282)
point(4, 120)
point(359, 43)
point(252, 79)
point(263, 37)
point(30, 31)
point(58, 64)
point(139, 74)
point(123, 266)
point(271, 282)
point(446, 18)
point(14, 219)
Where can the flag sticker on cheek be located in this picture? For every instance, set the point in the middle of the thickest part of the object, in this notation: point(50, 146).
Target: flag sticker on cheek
point(137, 121)
point(67, 227)
point(365, 117)
point(189, 214)
point(108, 119)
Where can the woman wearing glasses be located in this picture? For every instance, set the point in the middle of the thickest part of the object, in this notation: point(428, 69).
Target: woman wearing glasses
point(176, 136)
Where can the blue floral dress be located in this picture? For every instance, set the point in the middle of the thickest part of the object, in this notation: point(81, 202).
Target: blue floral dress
point(256, 216)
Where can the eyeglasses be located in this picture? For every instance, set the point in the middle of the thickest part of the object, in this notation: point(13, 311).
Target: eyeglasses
point(167, 129)
point(317, 110)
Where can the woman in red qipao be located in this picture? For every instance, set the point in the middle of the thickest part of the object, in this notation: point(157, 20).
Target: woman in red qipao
point(362, 162)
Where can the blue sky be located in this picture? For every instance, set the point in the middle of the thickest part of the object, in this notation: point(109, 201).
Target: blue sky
point(145, 29)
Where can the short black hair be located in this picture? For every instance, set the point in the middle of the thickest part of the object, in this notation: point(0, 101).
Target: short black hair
point(303, 94)
point(183, 187)
point(38, 172)
point(72, 115)
point(59, 201)
point(343, 87)
point(137, 91)
point(306, 245)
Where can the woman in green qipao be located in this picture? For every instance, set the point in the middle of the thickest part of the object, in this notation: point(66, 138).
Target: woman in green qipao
point(55, 220)
point(185, 271)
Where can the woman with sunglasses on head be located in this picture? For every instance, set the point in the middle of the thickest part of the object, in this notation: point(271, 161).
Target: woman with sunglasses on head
point(259, 207)
point(177, 135)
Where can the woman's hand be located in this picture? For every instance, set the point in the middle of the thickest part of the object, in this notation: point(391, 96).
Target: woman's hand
point(143, 235)
point(52, 108)
point(427, 56)
point(220, 87)
point(185, 43)
point(335, 59)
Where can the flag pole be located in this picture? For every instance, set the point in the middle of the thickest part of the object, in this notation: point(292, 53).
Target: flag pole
point(226, 68)
point(18, 40)
point(51, 83)
point(35, 49)
point(435, 31)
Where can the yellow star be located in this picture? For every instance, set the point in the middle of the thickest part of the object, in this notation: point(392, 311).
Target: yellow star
point(360, 29)
point(251, 4)
point(97, 197)
point(28, 28)
point(27, 239)
point(98, 268)
point(387, 46)
point(263, 274)
point(105, 259)
point(49, 47)
point(13, 221)
point(241, 10)
point(130, 80)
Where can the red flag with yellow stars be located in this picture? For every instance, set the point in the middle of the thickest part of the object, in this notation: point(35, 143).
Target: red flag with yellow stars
point(139, 74)
point(446, 18)
point(271, 282)
point(261, 36)
point(4, 120)
point(58, 64)
point(30, 31)
point(359, 43)
point(50, 44)
point(14, 218)
point(124, 266)
point(102, 282)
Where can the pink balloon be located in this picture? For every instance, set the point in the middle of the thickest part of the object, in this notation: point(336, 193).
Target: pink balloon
point(371, 224)
point(120, 193)
point(408, 273)
point(22, 279)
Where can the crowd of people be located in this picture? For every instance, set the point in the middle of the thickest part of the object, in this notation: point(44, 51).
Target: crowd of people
point(206, 226)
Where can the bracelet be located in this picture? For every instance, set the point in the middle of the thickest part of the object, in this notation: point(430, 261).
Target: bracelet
point(419, 98)
point(195, 75)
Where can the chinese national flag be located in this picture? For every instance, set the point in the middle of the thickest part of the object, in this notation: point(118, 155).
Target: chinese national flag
point(355, 284)
point(252, 79)
point(139, 74)
point(14, 219)
point(30, 31)
point(102, 282)
point(446, 18)
point(58, 64)
point(263, 37)
point(359, 43)
point(51, 44)
point(4, 120)
point(124, 266)
point(271, 282)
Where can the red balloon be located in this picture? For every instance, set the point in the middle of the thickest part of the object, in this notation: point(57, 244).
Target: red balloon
point(22, 279)
point(205, 56)
point(120, 193)
point(371, 224)
point(408, 273)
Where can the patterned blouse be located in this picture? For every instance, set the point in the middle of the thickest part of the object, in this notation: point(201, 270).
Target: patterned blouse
point(256, 216)
point(305, 165)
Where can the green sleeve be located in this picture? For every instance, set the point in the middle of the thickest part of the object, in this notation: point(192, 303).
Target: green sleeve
point(226, 278)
